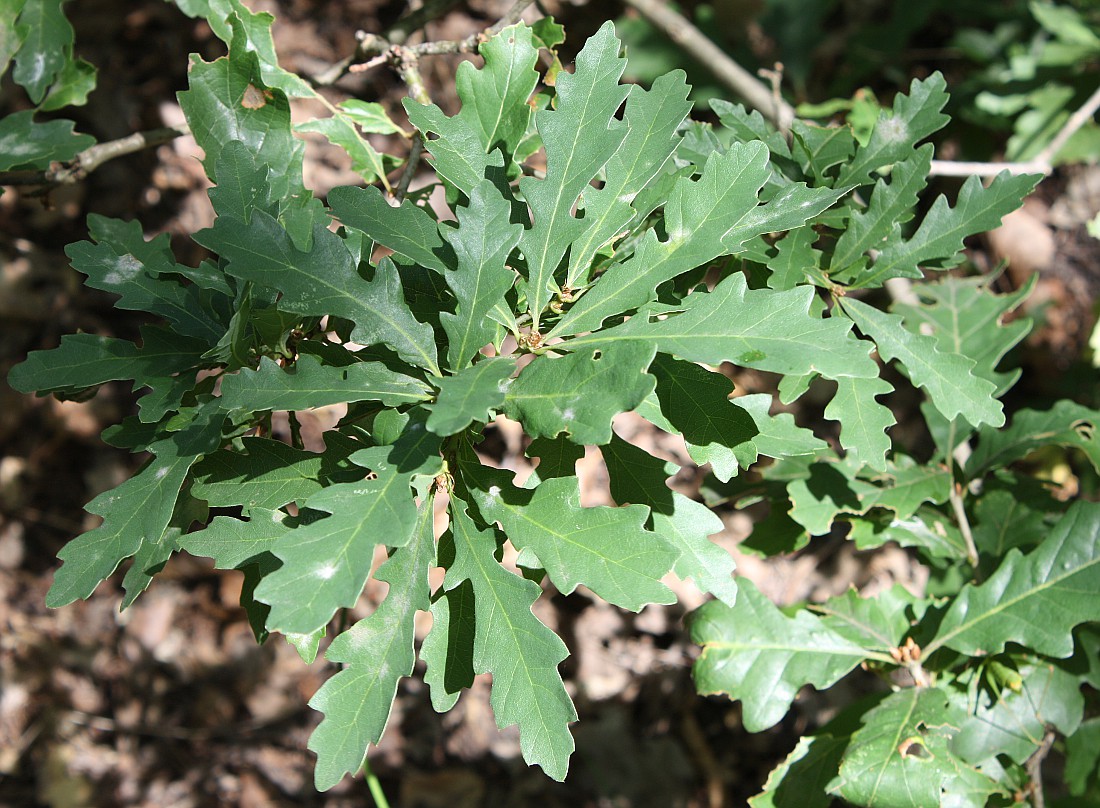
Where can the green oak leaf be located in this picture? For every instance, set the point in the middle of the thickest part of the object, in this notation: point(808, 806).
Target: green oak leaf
point(123, 263)
point(1015, 723)
point(801, 779)
point(606, 549)
point(1064, 424)
point(877, 623)
point(897, 131)
point(47, 45)
point(967, 318)
point(481, 278)
point(652, 118)
point(755, 653)
point(948, 378)
point(510, 643)
point(938, 242)
point(227, 100)
point(705, 218)
point(694, 402)
point(901, 757)
point(235, 543)
point(817, 149)
point(11, 39)
point(269, 474)
point(864, 420)
point(407, 230)
point(340, 129)
point(470, 395)
point(756, 328)
point(308, 384)
point(370, 116)
point(326, 563)
point(1034, 600)
point(136, 511)
point(892, 205)
point(448, 650)
point(373, 654)
point(581, 133)
point(324, 281)
point(27, 144)
point(778, 435)
point(88, 360)
point(580, 392)
point(796, 261)
point(494, 116)
point(638, 477)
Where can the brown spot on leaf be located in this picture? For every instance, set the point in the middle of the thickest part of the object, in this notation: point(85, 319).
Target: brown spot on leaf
point(254, 98)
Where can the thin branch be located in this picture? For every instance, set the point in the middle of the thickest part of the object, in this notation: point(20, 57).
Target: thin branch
point(699, 45)
point(374, 50)
point(964, 525)
point(75, 170)
point(1034, 768)
point(1042, 163)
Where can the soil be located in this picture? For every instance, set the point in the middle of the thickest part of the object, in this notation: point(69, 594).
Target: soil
point(172, 703)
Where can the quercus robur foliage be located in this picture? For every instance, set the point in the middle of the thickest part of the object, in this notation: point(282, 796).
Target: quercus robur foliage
point(650, 251)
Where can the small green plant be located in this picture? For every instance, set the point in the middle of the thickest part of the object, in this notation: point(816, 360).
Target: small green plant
point(649, 252)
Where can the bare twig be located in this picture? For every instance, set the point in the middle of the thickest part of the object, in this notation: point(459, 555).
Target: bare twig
point(76, 169)
point(374, 50)
point(964, 525)
point(1042, 163)
point(740, 81)
point(1034, 767)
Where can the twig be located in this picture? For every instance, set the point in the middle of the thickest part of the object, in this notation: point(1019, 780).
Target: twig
point(742, 82)
point(964, 525)
point(374, 50)
point(74, 170)
point(1042, 163)
point(1034, 767)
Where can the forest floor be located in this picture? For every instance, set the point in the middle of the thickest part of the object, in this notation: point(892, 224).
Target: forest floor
point(171, 703)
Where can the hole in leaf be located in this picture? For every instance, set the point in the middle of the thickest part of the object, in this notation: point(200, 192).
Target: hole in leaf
point(597, 355)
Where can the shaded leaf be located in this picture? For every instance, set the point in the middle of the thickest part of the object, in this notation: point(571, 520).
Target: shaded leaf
point(26, 144)
point(639, 478)
point(754, 653)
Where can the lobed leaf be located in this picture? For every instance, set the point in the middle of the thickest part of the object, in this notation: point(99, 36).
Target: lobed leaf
point(579, 393)
point(470, 395)
point(1034, 600)
point(901, 757)
point(308, 384)
point(948, 378)
point(754, 653)
point(373, 654)
point(606, 549)
point(510, 643)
